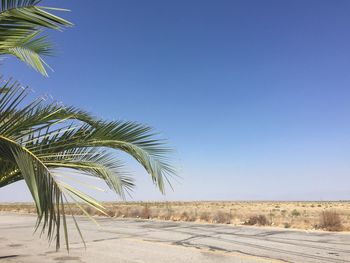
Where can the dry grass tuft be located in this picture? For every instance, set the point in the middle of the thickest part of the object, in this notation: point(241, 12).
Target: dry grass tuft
point(145, 213)
point(222, 218)
point(205, 216)
point(260, 220)
point(190, 217)
point(135, 212)
point(330, 220)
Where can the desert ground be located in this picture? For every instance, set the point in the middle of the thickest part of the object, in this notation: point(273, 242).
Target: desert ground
point(145, 241)
point(329, 216)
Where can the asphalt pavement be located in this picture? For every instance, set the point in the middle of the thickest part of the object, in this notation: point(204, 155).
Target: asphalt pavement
point(146, 241)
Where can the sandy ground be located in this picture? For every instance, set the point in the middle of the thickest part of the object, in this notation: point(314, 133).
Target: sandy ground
point(132, 240)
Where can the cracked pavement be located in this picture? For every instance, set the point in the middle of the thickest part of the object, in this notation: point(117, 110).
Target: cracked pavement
point(132, 240)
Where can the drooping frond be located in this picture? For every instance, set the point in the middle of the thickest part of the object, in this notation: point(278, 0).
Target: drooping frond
point(21, 23)
point(42, 143)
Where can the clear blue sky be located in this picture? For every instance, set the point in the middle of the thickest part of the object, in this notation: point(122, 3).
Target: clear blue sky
point(254, 95)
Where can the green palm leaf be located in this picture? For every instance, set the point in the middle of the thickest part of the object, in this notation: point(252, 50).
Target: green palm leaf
point(40, 143)
point(20, 25)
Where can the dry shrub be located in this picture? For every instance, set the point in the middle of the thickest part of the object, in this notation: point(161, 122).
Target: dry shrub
point(192, 218)
point(89, 210)
point(205, 216)
point(222, 218)
point(32, 210)
point(331, 221)
point(260, 220)
point(77, 211)
point(145, 213)
point(166, 215)
point(118, 213)
point(295, 213)
point(287, 225)
point(184, 216)
point(134, 213)
point(110, 212)
point(187, 217)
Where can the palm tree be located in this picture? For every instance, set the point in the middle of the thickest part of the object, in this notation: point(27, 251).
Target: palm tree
point(42, 143)
point(21, 24)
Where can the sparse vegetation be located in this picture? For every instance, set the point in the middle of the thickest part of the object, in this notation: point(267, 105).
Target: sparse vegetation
point(205, 216)
point(295, 213)
point(260, 220)
point(287, 225)
point(235, 213)
point(222, 218)
point(331, 221)
point(145, 213)
point(184, 216)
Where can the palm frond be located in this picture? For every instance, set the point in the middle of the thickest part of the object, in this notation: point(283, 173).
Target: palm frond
point(39, 140)
point(46, 191)
point(20, 25)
